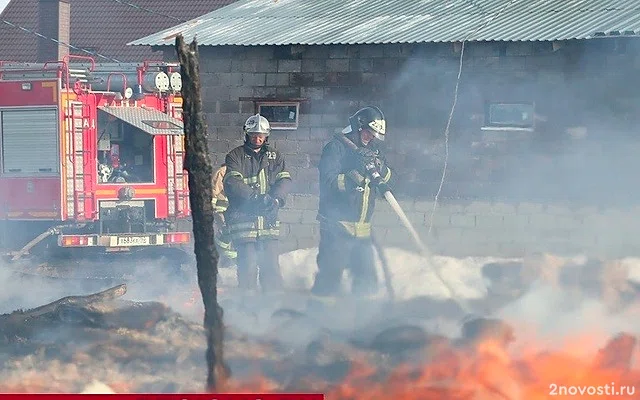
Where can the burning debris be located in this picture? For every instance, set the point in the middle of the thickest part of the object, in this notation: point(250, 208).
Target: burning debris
point(102, 342)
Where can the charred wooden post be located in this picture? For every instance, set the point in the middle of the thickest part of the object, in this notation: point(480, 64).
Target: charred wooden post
point(199, 169)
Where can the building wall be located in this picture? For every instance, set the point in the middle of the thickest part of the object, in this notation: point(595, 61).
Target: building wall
point(503, 192)
point(486, 228)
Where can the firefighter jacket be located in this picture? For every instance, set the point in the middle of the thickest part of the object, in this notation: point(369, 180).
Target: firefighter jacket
point(220, 201)
point(347, 200)
point(250, 174)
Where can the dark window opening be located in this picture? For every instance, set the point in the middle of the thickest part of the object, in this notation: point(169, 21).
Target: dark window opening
point(125, 153)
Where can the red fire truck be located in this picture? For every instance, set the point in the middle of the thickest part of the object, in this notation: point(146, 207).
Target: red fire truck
point(91, 157)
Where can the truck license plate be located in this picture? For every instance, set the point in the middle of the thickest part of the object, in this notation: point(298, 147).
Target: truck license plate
point(133, 240)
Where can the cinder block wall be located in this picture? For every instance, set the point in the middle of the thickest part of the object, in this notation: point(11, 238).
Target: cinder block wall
point(462, 229)
point(569, 88)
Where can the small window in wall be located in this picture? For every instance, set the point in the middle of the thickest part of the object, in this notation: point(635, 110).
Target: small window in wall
point(281, 115)
point(509, 116)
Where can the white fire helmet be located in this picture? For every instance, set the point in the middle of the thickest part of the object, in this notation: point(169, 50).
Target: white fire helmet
point(257, 124)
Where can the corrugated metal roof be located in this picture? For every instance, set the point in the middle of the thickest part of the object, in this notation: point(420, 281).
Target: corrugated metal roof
point(149, 120)
point(317, 22)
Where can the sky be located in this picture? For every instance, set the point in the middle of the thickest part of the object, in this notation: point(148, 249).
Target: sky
point(3, 4)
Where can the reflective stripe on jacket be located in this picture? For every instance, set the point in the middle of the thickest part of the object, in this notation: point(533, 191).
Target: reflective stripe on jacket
point(251, 173)
point(347, 199)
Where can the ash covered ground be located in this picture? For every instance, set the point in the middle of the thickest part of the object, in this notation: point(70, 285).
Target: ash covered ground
point(151, 339)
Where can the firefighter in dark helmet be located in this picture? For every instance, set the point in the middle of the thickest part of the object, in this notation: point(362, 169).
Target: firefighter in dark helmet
point(353, 172)
point(256, 184)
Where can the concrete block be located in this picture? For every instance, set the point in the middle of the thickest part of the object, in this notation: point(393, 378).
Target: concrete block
point(241, 65)
point(338, 51)
point(479, 208)
point(254, 79)
point(332, 120)
point(386, 65)
point(309, 217)
point(303, 230)
point(548, 222)
point(312, 93)
point(311, 52)
point(285, 228)
point(440, 219)
point(530, 208)
point(558, 210)
point(277, 79)
point(307, 242)
point(519, 48)
point(264, 92)
point(448, 208)
point(310, 147)
point(448, 234)
point(385, 219)
point(303, 202)
point(620, 219)
point(338, 65)
point(215, 93)
point(313, 65)
point(231, 79)
point(309, 120)
point(265, 65)
point(586, 211)
point(223, 120)
point(287, 92)
point(360, 65)
point(298, 161)
point(395, 50)
point(290, 216)
point(301, 79)
point(371, 51)
point(228, 106)
point(260, 52)
point(463, 220)
point(420, 205)
point(503, 208)
point(286, 146)
point(319, 134)
point(302, 133)
point(489, 221)
point(287, 245)
point(235, 93)
point(212, 64)
point(397, 238)
point(517, 221)
point(289, 65)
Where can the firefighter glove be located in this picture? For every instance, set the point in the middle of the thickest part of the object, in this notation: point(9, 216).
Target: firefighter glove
point(270, 209)
point(380, 185)
point(270, 203)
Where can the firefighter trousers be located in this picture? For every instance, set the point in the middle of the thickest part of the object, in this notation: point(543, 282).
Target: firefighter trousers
point(338, 251)
point(259, 256)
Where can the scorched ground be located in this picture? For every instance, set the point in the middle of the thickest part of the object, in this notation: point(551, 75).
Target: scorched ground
point(542, 325)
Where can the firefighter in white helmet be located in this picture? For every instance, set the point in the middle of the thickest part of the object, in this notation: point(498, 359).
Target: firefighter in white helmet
point(256, 184)
point(353, 171)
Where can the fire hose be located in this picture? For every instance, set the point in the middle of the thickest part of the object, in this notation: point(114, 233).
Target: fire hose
point(395, 206)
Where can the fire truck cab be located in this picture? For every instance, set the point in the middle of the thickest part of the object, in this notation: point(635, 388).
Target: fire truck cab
point(91, 155)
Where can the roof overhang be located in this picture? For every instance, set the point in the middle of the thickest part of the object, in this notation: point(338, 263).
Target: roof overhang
point(149, 120)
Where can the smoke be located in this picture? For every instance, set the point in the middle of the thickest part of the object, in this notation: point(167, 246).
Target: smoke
point(27, 285)
point(585, 117)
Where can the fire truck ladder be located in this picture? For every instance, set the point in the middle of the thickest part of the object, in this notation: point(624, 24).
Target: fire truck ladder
point(177, 186)
point(77, 117)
